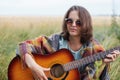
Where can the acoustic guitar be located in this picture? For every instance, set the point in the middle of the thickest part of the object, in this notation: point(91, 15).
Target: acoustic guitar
point(61, 63)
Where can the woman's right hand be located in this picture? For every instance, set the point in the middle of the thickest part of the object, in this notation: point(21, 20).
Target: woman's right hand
point(38, 71)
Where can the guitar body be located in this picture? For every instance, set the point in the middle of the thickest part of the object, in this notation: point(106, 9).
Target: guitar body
point(53, 61)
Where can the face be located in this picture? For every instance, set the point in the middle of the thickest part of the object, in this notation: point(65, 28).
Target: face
point(73, 24)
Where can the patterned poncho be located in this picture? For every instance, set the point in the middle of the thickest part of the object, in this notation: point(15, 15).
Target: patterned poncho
point(44, 45)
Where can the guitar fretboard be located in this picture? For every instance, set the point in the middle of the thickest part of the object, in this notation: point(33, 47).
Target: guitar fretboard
point(89, 59)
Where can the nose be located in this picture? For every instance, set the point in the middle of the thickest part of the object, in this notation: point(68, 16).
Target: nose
point(74, 23)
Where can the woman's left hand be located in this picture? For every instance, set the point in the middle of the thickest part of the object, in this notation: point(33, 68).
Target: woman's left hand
point(111, 57)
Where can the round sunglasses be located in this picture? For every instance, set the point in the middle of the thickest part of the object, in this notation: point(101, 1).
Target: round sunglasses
point(70, 21)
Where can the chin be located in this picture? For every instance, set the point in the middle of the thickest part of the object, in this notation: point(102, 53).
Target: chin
point(73, 34)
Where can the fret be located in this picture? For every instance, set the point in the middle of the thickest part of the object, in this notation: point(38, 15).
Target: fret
point(83, 60)
point(69, 67)
point(102, 55)
point(111, 50)
point(98, 56)
point(92, 59)
point(89, 59)
point(118, 48)
point(66, 67)
point(75, 64)
point(86, 60)
point(106, 52)
point(94, 56)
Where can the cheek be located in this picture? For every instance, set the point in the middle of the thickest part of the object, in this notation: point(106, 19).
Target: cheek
point(68, 27)
point(79, 30)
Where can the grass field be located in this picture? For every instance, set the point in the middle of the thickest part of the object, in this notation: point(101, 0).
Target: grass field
point(16, 29)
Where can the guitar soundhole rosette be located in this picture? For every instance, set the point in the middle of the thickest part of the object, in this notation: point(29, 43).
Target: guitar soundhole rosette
point(57, 70)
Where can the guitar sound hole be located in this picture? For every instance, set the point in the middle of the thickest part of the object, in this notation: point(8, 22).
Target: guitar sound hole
point(57, 70)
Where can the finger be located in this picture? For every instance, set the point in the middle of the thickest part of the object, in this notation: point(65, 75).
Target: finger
point(46, 69)
point(116, 52)
point(35, 75)
point(44, 77)
point(107, 60)
point(38, 76)
point(110, 57)
point(41, 79)
point(114, 55)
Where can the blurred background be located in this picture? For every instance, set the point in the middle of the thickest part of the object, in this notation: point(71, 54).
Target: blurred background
point(26, 19)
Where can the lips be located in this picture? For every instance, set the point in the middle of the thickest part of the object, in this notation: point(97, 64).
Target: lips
point(73, 30)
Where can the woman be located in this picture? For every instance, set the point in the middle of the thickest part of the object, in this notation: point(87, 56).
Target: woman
point(77, 37)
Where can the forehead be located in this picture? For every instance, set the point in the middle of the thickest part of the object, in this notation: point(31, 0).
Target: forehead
point(73, 14)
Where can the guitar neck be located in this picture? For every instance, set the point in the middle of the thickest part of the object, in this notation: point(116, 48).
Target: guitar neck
point(89, 59)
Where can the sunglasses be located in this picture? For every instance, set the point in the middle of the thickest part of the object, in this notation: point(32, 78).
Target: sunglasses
point(70, 21)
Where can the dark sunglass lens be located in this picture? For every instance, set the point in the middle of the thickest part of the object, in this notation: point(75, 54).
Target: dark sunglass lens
point(78, 23)
point(68, 20)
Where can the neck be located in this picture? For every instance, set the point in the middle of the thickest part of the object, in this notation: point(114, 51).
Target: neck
point(74, 43)
point(74, 40)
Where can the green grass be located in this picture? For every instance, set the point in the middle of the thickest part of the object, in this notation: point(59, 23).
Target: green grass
point(11, 35)
point(14, 31)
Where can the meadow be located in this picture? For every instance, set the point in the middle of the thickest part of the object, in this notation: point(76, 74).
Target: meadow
point(14, 29)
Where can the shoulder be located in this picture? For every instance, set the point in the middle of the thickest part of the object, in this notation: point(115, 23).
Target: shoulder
point(54, 41)
point(97, 46)
point(55, 37)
